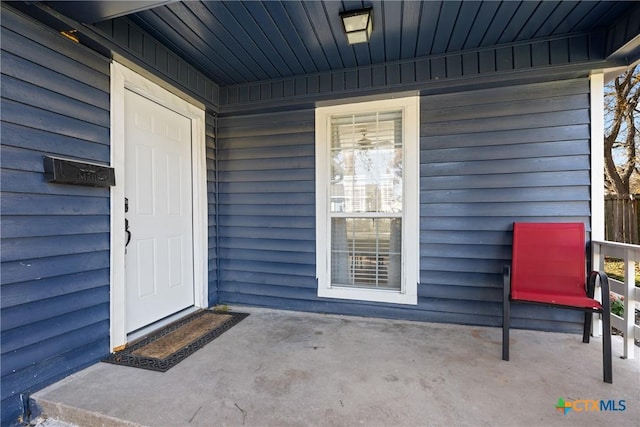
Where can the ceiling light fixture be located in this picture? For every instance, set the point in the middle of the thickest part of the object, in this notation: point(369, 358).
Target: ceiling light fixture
point(358, 24)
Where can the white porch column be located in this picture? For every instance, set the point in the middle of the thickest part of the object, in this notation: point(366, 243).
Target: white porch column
point(597, 178)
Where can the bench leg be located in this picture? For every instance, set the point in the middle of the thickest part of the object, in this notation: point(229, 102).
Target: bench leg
point(588, 316)
point(606, 348)
point(506, 312)
point(606, 322)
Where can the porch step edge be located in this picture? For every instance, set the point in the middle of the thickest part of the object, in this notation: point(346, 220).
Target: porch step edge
point(78, 416)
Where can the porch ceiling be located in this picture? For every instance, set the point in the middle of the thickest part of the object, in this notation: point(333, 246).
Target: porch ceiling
point(235, 42)
point(94, 11)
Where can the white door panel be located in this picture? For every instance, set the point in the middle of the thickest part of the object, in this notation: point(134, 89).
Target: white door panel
point(159, 257)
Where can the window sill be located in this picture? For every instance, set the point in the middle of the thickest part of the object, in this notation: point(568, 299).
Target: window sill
point(374, 295)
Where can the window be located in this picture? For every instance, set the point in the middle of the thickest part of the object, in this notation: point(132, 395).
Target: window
point(367, 192)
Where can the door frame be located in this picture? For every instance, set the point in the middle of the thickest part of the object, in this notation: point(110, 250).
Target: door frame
point(123, 78)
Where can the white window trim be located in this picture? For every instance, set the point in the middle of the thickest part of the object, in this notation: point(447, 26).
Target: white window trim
point(408, 293)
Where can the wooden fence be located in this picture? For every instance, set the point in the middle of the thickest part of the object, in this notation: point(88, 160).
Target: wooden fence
point(621, 215)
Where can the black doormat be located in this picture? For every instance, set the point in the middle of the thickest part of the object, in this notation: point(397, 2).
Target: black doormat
point(172, 344)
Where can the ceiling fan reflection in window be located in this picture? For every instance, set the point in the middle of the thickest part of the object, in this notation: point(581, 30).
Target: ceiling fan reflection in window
point(365, 143)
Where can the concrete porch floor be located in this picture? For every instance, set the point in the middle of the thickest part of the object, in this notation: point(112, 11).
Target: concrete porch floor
point(279, 368)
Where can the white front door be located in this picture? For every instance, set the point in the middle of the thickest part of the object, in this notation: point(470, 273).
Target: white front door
point(159, 255)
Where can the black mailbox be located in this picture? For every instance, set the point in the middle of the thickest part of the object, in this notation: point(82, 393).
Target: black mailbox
point(65, 171)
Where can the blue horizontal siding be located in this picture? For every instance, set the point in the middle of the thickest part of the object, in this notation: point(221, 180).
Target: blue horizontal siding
point(52, 121)
point(46, 49)
point(38, 226)
point(270, 225)
point(483, 167)
point(275, 243)
point(496, 195)
point(275, 257)
point(507, 122)
point(257, 164)
point(269, 198)
point(431, 313)
point(253, 210)
point(267, 187)
point(506, 137)
point(501, 104)
point(47, 371)
point(54, 252)
point(261, 266)
point(509, 210)
point(270, 175)
point(45, 204)
point(43, 141)
point(235, 276)
point(37, 96)
point(472, 279)
point(477, 223)
point(266, 204)
point(20, 293)
point(520, 180)
point(24, 248)
point(512, 150)
point(42, 76)
point(22, 316)
point(48, 349)
point(487, 158)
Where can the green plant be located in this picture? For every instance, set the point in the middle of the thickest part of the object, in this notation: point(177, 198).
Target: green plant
point(617, 304)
